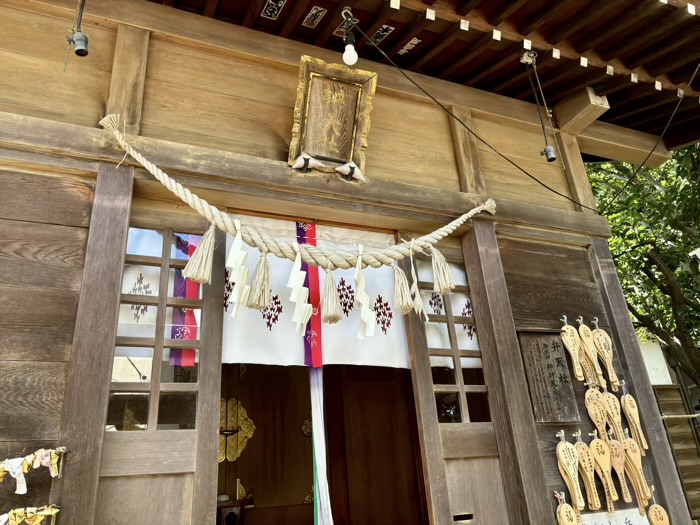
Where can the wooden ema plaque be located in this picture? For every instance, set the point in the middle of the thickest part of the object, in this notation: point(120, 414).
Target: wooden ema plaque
point(548, 378)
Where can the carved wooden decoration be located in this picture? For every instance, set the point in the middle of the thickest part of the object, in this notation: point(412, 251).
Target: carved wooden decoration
point(331, 114)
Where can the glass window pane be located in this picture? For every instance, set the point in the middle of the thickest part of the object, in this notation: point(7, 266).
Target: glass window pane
point(144, 242)
point(472, 372)
point(141, 280)
point(448, 407)
point(137, 320)
point(433, 303)
point(466, 337)
point(179, 286)
point(132, 365)
point(183, 323)
point(183, 245)
point(478, 407)
point(461, 305)
point(437, 335)
point(459, 274)
point(127, 411)
point(443, 370)
point(180, 365)
point(177, 411)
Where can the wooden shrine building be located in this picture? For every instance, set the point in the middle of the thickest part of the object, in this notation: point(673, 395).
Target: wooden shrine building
point(156, 426)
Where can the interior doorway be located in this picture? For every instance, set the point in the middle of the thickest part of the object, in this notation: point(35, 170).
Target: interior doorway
point(266, 455)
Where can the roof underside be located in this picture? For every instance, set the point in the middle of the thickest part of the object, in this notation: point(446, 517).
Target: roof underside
point(657, 40)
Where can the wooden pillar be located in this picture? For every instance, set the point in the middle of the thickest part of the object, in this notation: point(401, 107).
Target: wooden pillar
point(516, 436)
point(660, 456)
point(471, 178)
point(129, 76)
point(207, 466)
point(576, 174)
point(87, 388)
point(428, 426)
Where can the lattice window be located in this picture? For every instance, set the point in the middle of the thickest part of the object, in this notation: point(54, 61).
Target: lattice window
point(156, 360)
point(458, 379)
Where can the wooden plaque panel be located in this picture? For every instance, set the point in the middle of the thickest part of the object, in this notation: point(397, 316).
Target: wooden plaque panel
point(548, 378)
point(331, 114)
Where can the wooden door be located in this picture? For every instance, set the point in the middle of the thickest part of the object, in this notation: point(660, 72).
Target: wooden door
point(460, 455)
point(158, 461)
point(374, 457)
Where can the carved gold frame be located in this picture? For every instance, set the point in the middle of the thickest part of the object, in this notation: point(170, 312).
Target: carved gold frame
point(311, 67)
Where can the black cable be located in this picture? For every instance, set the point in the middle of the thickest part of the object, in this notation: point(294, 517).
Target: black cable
point(537, 101)
point(639, 168)
point(79, 21)
point(446, 110)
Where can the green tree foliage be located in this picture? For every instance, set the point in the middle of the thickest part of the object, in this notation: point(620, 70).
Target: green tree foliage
point(656, 225)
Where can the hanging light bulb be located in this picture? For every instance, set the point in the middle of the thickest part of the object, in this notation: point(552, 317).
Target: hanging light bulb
point(350, 55)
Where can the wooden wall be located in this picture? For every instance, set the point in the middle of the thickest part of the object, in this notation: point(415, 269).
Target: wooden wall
point(545, 280)
point(206, 96)
point(43, 230)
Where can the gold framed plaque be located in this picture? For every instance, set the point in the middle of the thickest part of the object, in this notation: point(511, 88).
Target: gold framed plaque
point(331, 114)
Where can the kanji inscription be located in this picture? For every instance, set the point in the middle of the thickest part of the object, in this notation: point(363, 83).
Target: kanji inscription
point(548, 378)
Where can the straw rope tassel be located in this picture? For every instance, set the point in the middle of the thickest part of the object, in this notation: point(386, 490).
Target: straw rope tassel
point(259, 298)
point(443, 282)
point(198, 269)
point(402, 291)
point(417, 303)
point(330, 302)
point(312, 255)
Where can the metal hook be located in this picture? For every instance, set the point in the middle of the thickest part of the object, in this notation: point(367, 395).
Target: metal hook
point(560, 497)
point(577, 435)
point(653, 490)
point(595, 322)
point(625, 390)
point(627, 433)
point(561, 435)
point(346, 13)
point(610, 433)
point(563, 319)
point(579, 319)
point(594, 434)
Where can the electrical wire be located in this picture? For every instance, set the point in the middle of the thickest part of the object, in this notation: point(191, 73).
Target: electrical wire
point(633, 177)
point(79, 21)
point(461, 122)
point(537, 101)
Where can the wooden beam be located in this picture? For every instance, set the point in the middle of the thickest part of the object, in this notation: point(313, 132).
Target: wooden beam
point(471, 178)
point(663, 466)
point(509, 56)
point(465, 6)
point(384, 15)
point(420, 23)
point(631, 107)
point(476, 49)
point(544, 15)
point(129, 76)
point(514, 80)
point(578, 111)
point(204, 490)
point(591, 14)
point(602, 36)
point(252, 12)
point(686, 135)
point(666, 64)
point(225, 168)
point(592, 77)
point(333, 21)
point(505, 12)
point(603, 140)
point(84, 416)
point(210, 8)
point(437, 47)
point(656, 30)
point(523, 471)
point(436, 493)
point(576, 174)
point(300, 7)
